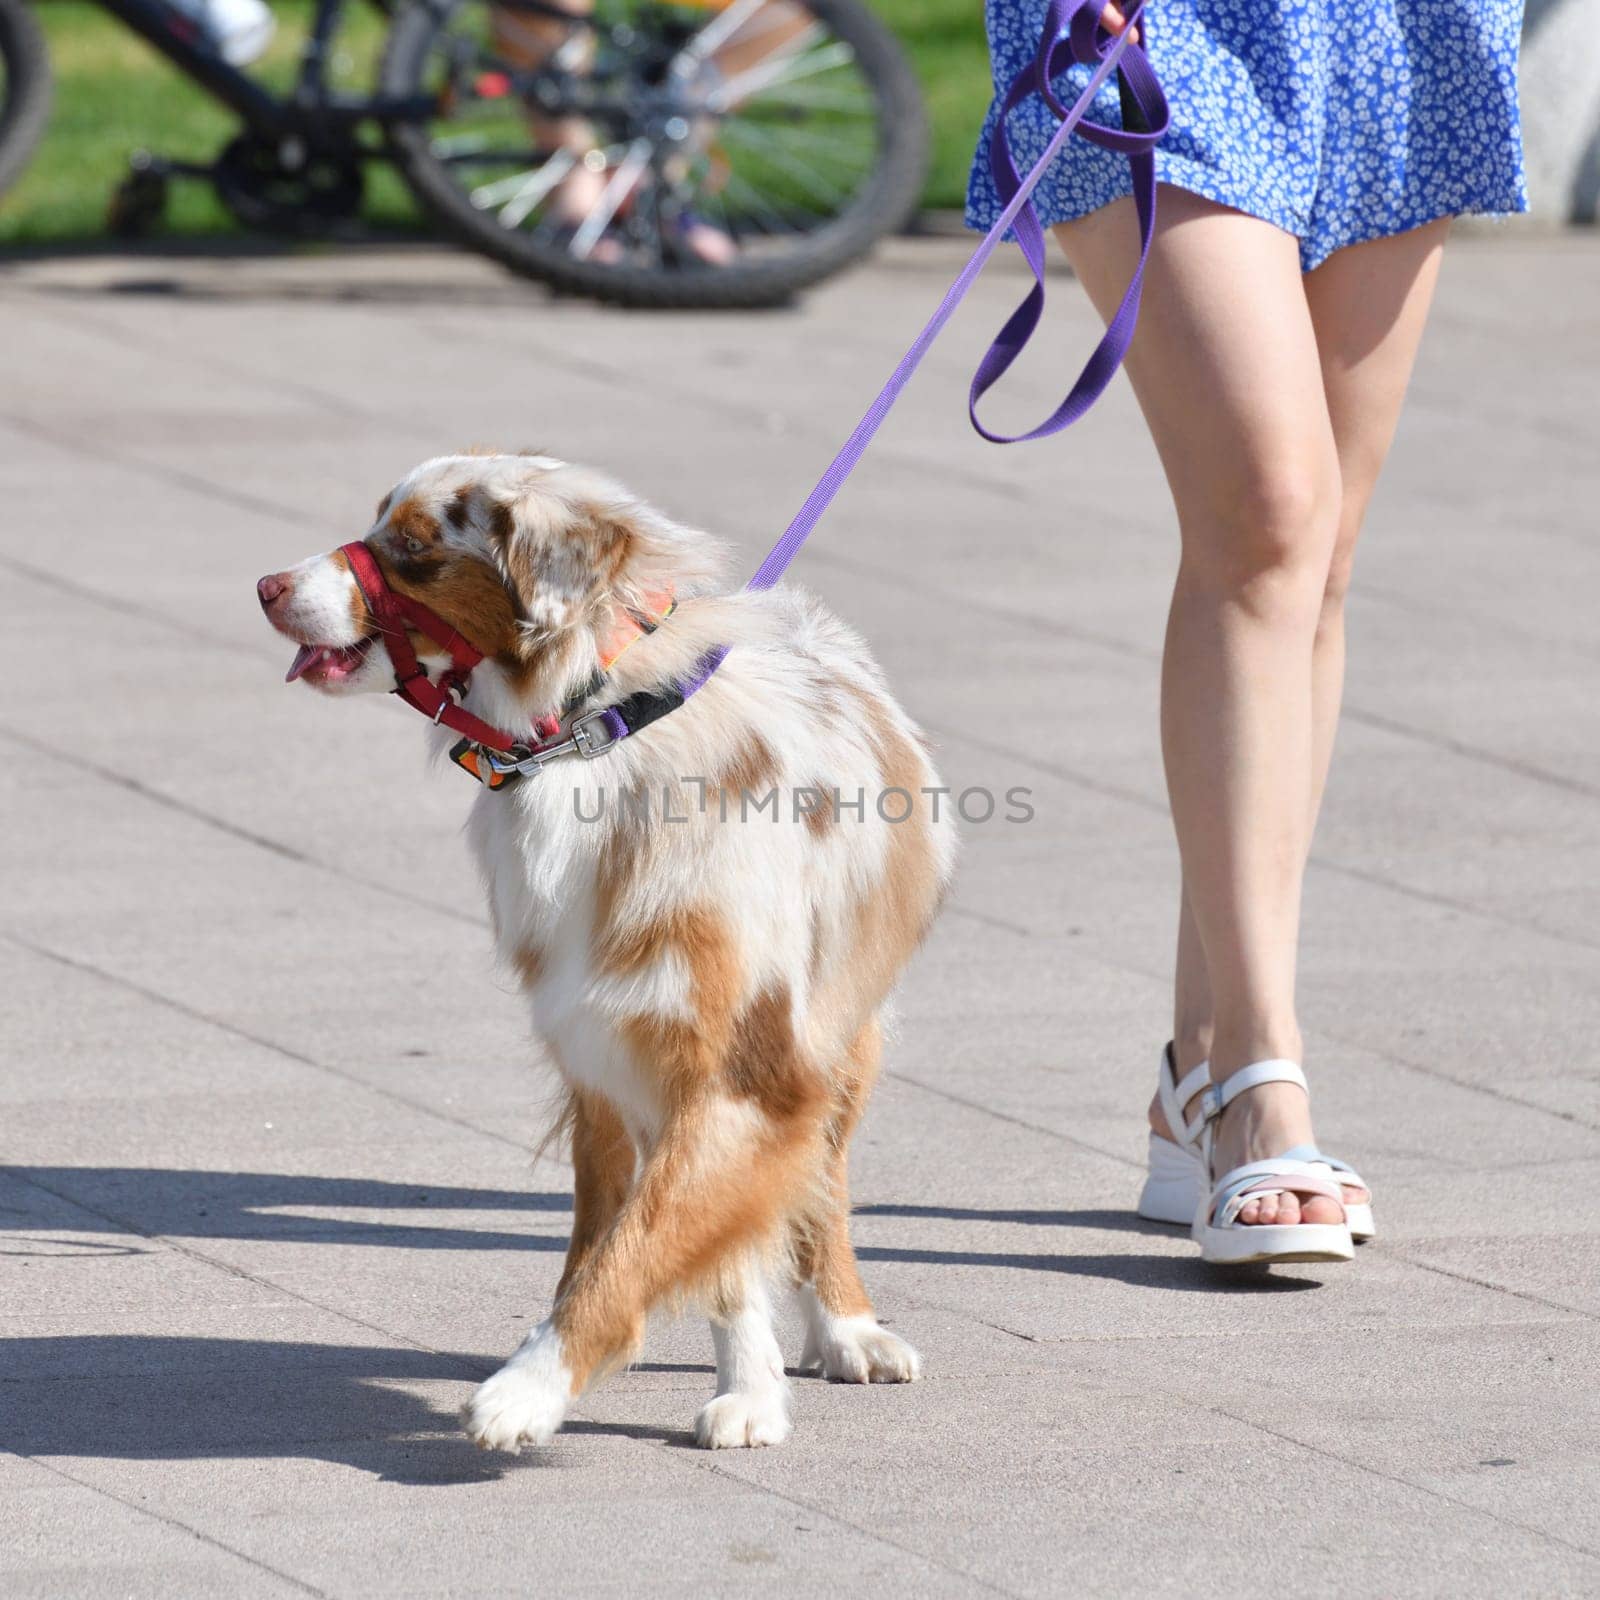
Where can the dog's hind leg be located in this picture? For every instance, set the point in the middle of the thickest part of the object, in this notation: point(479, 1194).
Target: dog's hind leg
point(751, 1405)
point(843, 1336)
point(721, 1179)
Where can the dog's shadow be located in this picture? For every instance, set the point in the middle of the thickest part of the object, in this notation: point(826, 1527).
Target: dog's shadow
point(384, 1410)
point(166, 1398)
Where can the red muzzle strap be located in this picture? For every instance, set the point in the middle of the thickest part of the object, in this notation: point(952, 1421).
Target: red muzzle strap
point(394, 614)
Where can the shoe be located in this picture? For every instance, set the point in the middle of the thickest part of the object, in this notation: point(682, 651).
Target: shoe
point(1176, 1179)
point(1224, 1240)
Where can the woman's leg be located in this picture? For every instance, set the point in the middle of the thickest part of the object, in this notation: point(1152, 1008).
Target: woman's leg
point(1369, 304)
point(1226, 368)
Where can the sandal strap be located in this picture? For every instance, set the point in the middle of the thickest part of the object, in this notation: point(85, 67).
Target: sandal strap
point(1347, 1174)
point(1278, 1175)
point(1175, 1093)
point(1221, 1095)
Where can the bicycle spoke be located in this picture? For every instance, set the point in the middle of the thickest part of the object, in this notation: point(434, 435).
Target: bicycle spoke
point(523, 185)
point(592, 229)
point(758, 201)
point(783, 67)
point(772, 149)
point(714, 35)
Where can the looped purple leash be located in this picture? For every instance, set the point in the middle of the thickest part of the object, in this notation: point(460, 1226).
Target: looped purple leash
point(1072, 35)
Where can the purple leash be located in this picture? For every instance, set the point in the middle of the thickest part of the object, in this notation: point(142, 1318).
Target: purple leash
point(1072, 35)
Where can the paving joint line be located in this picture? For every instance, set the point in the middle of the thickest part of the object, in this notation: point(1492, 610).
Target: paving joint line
point(195, 813)
point(1484, 1283)
point(177, 1523)
point(1314, 861)
point(175, 477)
point(1163, 980)
point(1055, 628)
point(477, 1373)
point(211, 819)
point(1388, 1477)
point(124, 607)
point(156, 997)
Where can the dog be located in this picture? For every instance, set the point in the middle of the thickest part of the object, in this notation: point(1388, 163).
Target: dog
point(707, 919)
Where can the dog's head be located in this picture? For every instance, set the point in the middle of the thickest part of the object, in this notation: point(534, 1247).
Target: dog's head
point(529, 559)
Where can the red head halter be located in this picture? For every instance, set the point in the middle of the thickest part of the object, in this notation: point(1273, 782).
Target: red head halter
point(392, 613)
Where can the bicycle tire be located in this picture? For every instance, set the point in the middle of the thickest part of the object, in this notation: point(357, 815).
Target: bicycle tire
point(25, 98)
point(887, 199)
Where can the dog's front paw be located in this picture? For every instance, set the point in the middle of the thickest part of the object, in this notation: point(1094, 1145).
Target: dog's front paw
point(860, 1350)
point(743, 1418)
point(526, 1400)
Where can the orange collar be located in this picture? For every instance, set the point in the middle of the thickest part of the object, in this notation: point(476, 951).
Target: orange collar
point(632, 625)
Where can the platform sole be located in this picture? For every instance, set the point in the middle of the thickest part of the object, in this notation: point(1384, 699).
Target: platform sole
point(1243, 1245)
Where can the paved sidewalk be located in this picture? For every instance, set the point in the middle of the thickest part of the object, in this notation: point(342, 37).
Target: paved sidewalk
point(268, 1208)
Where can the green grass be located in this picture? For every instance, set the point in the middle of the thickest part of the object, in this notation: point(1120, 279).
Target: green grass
point(114, 95)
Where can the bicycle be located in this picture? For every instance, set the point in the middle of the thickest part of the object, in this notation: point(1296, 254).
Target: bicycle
point(688, 153)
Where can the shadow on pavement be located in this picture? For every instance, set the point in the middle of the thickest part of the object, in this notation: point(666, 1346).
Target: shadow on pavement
point(397, 270)
point(251, 1205)
point(1110, 1221)
point(137, 1397)
point(1187, 1273)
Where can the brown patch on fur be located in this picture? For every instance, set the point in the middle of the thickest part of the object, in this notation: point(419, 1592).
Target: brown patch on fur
point(764, 1062)
point(411, 520)
point(608, 544)
point(383, 505)
point(459, 511)
point(823, 1254)
point(602, 1173)
point(465, 591)
point(502, 522)
point(753, 771)
point(893, 916)
point(821, 816)
point(529, 964)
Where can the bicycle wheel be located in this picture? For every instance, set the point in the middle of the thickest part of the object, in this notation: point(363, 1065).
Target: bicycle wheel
point(24, 88)
point(789, 134)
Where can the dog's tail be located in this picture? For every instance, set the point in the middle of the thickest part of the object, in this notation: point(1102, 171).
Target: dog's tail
point(562, 1113)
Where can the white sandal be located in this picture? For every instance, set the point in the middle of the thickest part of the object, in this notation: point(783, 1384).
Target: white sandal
point(1176, 1181)
point(1223, 1239)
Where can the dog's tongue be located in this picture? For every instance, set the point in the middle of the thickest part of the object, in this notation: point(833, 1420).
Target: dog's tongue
point(303, 657)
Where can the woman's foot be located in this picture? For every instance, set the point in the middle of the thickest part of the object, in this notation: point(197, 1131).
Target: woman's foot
point(1261, 1123)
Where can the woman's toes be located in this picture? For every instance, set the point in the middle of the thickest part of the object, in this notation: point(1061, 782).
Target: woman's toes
point(1318, 1208)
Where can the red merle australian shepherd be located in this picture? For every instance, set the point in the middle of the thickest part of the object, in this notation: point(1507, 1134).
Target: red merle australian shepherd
point(707, 920)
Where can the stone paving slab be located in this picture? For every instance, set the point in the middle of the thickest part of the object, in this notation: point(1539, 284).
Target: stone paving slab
point(268, 1211)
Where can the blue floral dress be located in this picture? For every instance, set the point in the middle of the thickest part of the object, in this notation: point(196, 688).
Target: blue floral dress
point(1335, 120)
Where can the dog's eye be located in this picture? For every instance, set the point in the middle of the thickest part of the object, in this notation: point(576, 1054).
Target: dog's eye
point(415, 546)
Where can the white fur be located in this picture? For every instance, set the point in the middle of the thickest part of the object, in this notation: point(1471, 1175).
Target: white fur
point(751, 1405)
point(526, 1400)
point(854, 1349)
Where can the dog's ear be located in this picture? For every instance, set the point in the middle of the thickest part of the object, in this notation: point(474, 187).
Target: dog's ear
point(575, 547)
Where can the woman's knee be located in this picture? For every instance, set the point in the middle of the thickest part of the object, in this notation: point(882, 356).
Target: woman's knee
point(1337, 584)
point(1266, 539)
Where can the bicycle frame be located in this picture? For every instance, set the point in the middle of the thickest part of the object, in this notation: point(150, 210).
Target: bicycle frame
point(311, 111)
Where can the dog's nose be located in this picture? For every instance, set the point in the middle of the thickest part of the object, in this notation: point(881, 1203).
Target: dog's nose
point(272, 587)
